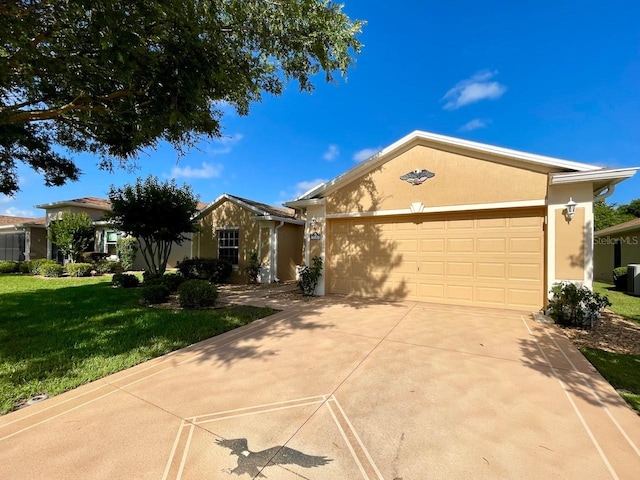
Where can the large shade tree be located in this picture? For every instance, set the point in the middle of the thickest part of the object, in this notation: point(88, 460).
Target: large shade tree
point(115, 77)
point(158, 214)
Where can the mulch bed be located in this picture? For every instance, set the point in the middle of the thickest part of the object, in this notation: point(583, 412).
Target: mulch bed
point(612, 333)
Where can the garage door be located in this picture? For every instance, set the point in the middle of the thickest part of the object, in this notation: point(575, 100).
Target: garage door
point(491, 258)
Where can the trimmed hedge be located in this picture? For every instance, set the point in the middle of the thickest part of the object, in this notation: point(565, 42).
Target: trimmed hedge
point(212, 269)
point(91, 257)
point(50, 268)
point(79, 269)
point(197, 294)
point(33, 266)
point(153, 294)
point(170, 280)
point(620, 278)
point(108, 266)
point(125, 280)
point(7, 266)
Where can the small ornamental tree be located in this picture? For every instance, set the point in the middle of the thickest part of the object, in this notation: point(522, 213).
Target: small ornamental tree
point(157, 214)
point(73, 233)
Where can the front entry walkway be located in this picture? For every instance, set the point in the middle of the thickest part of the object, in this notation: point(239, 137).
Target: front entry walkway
point(341, 389)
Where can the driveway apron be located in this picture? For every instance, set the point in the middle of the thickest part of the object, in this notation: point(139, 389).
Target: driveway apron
point(338, 388)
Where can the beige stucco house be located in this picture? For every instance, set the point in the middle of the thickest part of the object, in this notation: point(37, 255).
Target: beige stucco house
point(616, 246)
point(106, 235)
point(22, 238)
point(440, 219)
point(232, 228)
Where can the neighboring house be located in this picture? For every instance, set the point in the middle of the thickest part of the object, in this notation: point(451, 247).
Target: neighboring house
point(616, 246)
point(232, 228)
point(106, 235)
point(22, 238)
point(439, 219)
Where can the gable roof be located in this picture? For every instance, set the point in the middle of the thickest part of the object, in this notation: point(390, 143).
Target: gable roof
point(442, 142)
point(87, 202)
point(260, 209)
point(620, 228)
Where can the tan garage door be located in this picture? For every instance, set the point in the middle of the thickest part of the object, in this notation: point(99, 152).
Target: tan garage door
point(491, 258)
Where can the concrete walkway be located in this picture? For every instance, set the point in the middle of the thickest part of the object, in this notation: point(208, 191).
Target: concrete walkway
point(341, 389)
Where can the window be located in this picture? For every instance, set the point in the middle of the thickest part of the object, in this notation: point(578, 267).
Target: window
point(110, 242)
point(228, 245)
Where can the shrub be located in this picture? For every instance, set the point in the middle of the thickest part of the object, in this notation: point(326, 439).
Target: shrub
point(211, 269)
point(25, 267)
point(79, 269)
point(50, 268)
point(125, 280)
point(309, 277)
point(108, 266)
point(91, 257)
point(34, 265)
point(253, 269)
point(620, 278)
point(152, 294)
point(8, 267)
point(197, 294)
point(170, 280)
point(126, 249)
point(576, 306)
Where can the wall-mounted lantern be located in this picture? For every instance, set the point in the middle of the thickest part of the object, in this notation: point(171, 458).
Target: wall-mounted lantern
point(571, 208)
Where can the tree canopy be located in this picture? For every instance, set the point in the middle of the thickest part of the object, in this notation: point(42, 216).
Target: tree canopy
point(157, 214)
point(112, 78)
point(73, 233)
point(607, 215)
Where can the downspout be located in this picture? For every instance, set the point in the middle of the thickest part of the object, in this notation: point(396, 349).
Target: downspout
point(274, 270)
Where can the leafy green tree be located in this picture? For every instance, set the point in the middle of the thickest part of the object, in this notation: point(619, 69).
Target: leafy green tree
point(112, 78)
point(73, 233)
point(633, 208)
point(606, 216)
point(157, 214)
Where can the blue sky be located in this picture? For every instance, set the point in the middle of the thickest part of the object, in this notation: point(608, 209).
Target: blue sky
point(557, 78)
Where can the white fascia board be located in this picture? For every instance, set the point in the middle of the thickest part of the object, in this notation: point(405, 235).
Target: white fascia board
point(275, 218)
point(437, 140)
point(231, 198)
point(52, 205)
point(305, 202)
point(611, 175)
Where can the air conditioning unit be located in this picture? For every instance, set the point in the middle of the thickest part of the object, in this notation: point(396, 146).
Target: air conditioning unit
point(633, 278)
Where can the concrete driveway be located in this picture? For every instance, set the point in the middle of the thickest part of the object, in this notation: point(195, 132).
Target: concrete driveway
point(341, 389)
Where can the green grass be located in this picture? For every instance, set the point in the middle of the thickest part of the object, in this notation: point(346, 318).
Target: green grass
point(621, 371)
point(622, 303)
point(57, 334)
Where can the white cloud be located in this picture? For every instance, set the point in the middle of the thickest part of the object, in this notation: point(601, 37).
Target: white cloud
point(475, 124)
point(224, 145)
point(471, 90)
point(205, 171)
point(365, 153)
point(332, 153)
point(16, 212)
point(299, 189)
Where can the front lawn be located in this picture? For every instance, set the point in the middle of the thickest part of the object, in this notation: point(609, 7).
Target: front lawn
point(57, 334)
point(621, 370)
point(622, 303)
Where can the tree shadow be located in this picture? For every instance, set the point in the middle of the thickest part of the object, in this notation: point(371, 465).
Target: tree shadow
point(362, 258)
point(542, 354)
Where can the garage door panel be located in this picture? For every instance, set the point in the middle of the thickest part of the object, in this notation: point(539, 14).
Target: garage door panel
point(491, 258)
point(491, 295)
point(460, 269)
point(525, 245)
point(491, 270)
point(492, 245)
point(431, 268)
point(460, 245)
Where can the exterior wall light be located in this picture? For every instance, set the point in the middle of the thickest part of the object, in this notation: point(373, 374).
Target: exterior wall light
point(571, 208)
point(313, 222)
